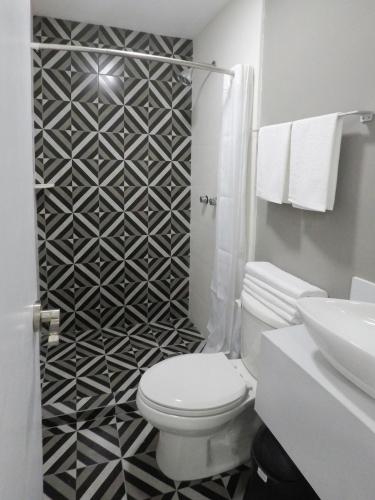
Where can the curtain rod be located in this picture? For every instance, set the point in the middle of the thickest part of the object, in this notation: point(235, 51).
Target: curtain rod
point(132, 55)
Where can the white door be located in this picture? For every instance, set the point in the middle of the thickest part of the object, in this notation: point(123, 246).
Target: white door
point(20, 425)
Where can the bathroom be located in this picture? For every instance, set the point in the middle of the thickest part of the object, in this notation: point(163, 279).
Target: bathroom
point(150, 186)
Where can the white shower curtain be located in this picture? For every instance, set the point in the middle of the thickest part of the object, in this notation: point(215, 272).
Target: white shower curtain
point(230, 251)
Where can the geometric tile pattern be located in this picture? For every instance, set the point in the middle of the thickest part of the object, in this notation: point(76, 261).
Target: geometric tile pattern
point(114, 137)
point(95, 443)
point(91, 372)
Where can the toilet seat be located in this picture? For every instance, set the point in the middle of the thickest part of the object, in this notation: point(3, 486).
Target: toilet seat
point(193, 385)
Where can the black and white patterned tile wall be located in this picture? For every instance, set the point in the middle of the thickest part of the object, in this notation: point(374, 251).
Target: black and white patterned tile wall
point(114, 137)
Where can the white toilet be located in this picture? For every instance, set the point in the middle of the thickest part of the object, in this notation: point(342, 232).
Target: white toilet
point(203, 405)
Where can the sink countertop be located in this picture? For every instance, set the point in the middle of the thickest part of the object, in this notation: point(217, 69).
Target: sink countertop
point(325, 423)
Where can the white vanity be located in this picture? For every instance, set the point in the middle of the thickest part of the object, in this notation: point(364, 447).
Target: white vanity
point(325, 422)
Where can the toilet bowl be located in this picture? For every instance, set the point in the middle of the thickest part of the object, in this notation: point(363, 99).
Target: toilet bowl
point(203, 406)
point(194, 393)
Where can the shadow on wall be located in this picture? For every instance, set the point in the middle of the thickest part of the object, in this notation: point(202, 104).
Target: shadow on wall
point(199, 93)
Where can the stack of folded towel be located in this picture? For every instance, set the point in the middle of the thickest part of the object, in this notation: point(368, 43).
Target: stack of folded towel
point(272, 294)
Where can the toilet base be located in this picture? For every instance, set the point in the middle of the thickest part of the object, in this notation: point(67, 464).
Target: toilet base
point(185, 458)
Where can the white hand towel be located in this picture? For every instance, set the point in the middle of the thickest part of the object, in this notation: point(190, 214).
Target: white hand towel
point(262, 312)
point(314, 157)
point(269, 298)
point(283, 281)
point(273, 162)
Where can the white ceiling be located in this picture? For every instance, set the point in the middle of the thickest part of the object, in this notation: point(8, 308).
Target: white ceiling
point(184, 18)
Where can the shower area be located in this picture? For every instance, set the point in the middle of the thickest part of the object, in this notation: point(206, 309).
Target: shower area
point(120, 236)
point(112, 168)
point(113, 151)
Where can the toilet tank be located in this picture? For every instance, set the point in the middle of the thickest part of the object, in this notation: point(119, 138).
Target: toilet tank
point(251, 330)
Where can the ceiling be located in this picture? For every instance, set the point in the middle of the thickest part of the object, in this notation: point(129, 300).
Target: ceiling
point(183, 18)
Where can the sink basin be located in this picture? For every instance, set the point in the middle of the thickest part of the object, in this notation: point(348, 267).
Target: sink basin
point(344, 331)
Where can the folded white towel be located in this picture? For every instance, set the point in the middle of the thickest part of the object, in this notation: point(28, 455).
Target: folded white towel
point(273, 162)
point(283, 281)
point(314, 157)
point(269, 298)
point(274, 291)
point(290, 318)
point(262, 312)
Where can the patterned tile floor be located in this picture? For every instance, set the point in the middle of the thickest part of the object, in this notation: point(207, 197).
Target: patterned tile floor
point(95, 443)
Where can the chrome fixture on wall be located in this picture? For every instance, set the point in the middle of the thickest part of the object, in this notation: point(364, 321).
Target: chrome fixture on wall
point(208, 201)
point(185, 77)
point(364, 116)
point(49, 185)
point(52, 317)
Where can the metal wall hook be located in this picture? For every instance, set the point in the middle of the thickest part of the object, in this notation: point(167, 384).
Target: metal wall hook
point(212, 201)
point(204, 199)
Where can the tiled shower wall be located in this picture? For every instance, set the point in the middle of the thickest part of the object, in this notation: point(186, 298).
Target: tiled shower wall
point(114, 137)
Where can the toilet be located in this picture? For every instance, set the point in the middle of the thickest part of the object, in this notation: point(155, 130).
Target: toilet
point(203, 406)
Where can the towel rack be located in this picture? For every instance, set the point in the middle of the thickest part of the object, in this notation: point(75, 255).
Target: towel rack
point(364, 116)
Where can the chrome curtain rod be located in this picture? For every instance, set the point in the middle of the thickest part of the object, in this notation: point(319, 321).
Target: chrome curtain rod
point(132, 55)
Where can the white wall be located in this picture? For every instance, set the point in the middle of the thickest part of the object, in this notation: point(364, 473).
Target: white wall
point(233, 37)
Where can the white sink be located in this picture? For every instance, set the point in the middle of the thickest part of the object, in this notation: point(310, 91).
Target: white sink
point(344, 331)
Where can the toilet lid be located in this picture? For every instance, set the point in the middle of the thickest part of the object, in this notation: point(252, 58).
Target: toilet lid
point(194, 383)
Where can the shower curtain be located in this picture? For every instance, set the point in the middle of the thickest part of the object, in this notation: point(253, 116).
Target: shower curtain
point(230, 250)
